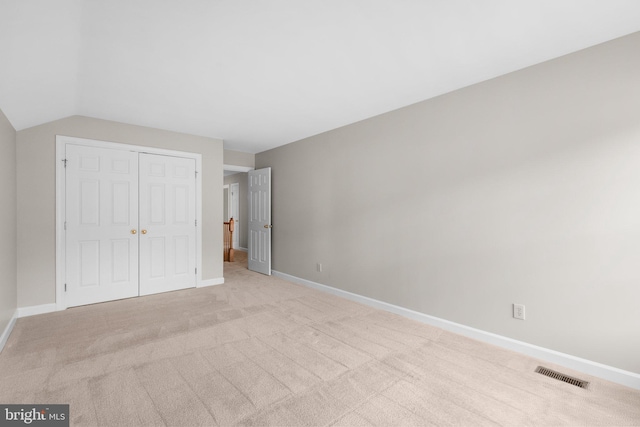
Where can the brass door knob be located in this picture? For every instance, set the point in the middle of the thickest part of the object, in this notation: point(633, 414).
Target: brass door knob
point(268, 226)
point(134, 231)
point(144, 231)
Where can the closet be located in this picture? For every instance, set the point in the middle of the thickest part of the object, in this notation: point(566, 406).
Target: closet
point(129, 223)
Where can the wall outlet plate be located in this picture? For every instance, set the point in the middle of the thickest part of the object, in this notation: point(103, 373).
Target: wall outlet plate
point(518, 311)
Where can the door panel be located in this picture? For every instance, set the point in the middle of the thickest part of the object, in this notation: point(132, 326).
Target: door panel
point(260, 220)
point(155, 257)
point(167, 217)
point(181, 204)
point(120, 203)
point(181, 253)
point(121, 265)
point(89, 263)
point(101, 212)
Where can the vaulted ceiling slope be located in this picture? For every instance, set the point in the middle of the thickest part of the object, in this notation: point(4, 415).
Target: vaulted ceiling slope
point(260, 74)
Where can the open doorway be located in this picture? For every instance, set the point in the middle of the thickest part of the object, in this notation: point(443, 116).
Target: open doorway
point(235, 206)
point(231, 209)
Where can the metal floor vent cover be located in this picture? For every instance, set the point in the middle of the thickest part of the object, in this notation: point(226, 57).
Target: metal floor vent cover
point(562, 377)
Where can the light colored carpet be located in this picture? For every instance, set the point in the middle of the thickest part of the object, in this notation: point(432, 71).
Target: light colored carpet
point(261, 351)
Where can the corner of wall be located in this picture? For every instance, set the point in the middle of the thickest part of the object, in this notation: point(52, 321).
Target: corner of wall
point(8, 228)
point(4, 337)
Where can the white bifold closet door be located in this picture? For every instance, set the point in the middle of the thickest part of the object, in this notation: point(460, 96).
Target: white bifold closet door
point(130, 224)
point(167, 223)
point(101, 224)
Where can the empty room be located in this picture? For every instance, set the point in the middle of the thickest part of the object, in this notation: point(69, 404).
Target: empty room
point(319, 213)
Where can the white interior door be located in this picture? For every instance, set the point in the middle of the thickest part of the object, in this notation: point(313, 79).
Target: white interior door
point(101, 224)
point(167, 223)
point(260, 220)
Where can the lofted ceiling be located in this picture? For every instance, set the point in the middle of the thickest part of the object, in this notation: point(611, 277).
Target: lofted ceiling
point(264, 73)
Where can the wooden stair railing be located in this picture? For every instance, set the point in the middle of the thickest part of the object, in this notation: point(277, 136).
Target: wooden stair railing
point(228, 240)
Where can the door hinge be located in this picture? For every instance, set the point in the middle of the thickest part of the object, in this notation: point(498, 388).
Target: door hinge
point(196, 174)
point(196, 222)
point(65, 226)
point(65, 287)
point(196, 271)
point(65, 162)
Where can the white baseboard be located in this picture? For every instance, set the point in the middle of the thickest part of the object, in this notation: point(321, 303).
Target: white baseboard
point(7, 331)
point(610, 373)
point(36, 309)
point(210, 282)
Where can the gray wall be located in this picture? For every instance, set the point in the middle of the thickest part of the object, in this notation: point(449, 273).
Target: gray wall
point(36, 195)
point(522, 189)
point(242, 179)
point(8, 263)
point(239, 158)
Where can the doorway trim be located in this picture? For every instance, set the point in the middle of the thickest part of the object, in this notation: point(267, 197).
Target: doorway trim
point(61, 142)
point(234, 168)
point(234, 211)
point(226, 214)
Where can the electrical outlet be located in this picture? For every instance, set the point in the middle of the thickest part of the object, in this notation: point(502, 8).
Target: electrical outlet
point(518, 311)
point(319, 268)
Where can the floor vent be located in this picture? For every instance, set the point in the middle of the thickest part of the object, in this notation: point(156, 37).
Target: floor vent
point(562, 377)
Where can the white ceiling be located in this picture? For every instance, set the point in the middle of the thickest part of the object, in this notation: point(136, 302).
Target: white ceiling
point(262, 73)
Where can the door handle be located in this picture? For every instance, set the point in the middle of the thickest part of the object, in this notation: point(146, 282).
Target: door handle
point(134, 231)
point(268, 226)
point(144, 231)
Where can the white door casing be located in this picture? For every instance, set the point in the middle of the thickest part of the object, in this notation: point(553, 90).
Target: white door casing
point(167, 223)
point(226, 212)
point(102, 224)
point(234, 212)
point(80, 205)
point(260, 220)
